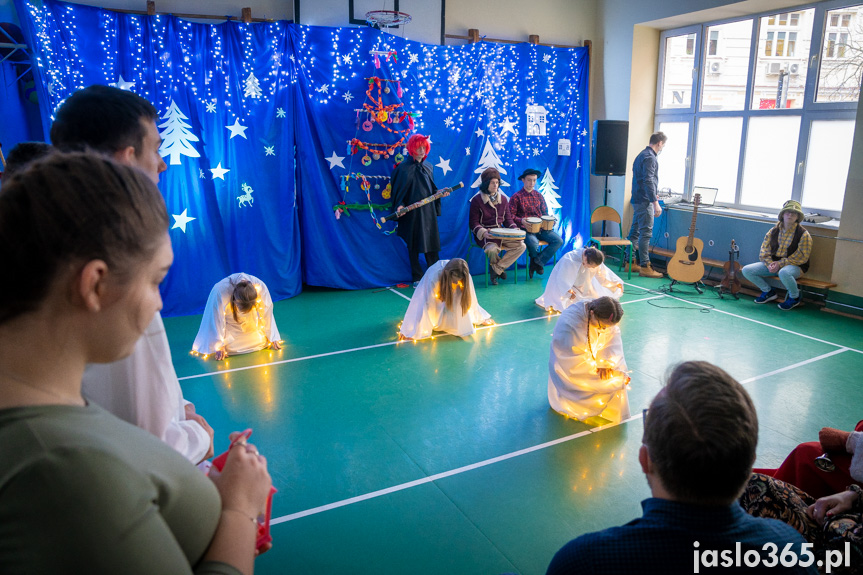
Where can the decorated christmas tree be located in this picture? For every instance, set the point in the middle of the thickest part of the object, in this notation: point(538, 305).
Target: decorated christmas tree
point(488, 159)
point(546, 188)
point(176, 136)
point(383, 126)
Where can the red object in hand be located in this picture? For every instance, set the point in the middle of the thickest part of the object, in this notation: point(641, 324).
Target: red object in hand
point(263, 520)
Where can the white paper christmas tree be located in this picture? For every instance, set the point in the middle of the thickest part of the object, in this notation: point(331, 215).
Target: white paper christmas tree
point(489, 159)
point(177, 137)
point(546, 188)
point(253, 87)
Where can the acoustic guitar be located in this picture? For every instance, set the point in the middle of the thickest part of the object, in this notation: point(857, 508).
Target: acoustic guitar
point(686, 265)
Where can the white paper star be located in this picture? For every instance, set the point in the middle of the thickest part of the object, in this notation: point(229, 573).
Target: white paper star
point(51, 88)
point(507, 126)
point(443, 165)
point(535, 152)
point(219, 172)
point(123, 84)
point(237, 129)
point(270, 150)
point(546, 58)
point(467, 151)
point(211, 107)
point(280, 113)
point(325, 89)
point(346, 59)
point(200, 173)
point(181, 220)
point(448, 122)
point(335, 160)
point(423, 93)
point(584, 132)
point(429, 139)
point(479, 133)
point(348, 96)
point(455, 77)
point(292, 58)
point(413, 59)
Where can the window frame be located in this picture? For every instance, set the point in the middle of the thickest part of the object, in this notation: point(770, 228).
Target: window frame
point(809, 112)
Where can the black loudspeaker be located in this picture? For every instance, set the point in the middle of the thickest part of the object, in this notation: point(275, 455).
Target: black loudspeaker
point(608, 157)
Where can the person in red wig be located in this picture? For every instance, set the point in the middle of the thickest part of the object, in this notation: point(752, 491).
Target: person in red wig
point(412, 181)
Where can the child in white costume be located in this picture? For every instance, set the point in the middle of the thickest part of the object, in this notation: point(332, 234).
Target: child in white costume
point(579, 275)
point(238, 318)
point(445, 301)
point(586, 369)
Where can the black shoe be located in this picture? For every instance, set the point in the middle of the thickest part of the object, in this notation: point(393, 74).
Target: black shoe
point(492, 277)
point(535, 268)
point(502, 275)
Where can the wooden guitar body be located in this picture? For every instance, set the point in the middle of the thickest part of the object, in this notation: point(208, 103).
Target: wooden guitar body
point(687, 266)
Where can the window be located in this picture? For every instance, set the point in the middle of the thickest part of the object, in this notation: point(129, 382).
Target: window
point(841, 66)
point(753, 122)
point(677, 71)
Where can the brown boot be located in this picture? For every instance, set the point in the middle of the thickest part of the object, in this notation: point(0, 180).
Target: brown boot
point(648, 272)
point(635, 267)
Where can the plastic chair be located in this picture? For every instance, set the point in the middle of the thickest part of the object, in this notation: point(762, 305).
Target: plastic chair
point(472, 244)
point(609, 214)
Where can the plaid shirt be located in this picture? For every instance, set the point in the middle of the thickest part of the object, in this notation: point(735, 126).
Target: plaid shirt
point(526, 204)
point(800, 257)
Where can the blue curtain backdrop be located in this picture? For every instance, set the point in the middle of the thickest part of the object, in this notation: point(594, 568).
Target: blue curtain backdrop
point(277, 145)
point(225, 102)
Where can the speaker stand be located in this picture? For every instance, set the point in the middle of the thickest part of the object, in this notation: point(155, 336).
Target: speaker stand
point(605, 203)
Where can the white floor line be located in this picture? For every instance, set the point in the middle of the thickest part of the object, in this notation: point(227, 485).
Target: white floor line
point(752, 320)
point(425, 480)
point(398, 293)
point(498, 459)
point(795, 365)
point(642, 299)
point(341, 351)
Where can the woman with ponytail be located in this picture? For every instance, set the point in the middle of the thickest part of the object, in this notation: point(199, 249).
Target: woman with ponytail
point(444, 301)
point(586, 370)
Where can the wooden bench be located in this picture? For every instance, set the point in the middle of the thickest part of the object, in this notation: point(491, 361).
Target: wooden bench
point(802, 281)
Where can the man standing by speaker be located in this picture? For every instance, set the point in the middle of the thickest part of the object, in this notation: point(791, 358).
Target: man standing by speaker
point(645, 206)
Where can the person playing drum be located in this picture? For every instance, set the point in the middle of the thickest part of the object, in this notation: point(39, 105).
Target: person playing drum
point(528, 203)
point(490, 209)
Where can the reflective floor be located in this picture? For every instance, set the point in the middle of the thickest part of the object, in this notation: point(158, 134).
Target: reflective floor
point(443, 456)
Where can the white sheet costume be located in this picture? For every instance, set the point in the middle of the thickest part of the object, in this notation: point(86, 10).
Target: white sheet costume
point(143, 390)
point(587, 283)
point(574, 386)
point(219, 330)
point(427, 313)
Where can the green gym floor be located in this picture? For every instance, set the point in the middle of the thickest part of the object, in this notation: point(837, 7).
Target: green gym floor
point(443, 456)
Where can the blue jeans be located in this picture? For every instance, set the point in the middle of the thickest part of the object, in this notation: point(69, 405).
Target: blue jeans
point(787, 275)
point(641, 230)
point(544, 256)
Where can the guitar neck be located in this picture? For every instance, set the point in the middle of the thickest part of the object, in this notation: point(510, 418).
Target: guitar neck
point(692, 225)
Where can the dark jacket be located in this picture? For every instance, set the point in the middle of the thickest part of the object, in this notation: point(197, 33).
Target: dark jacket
point(645, 177)
point(413, 181)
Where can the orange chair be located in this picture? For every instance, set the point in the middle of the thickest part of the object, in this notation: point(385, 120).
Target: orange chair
point(609, 214)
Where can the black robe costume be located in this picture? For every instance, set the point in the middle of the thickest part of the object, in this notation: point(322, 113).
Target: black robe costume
point(411, 182)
